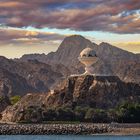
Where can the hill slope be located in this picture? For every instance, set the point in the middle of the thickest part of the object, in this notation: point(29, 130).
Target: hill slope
point(99, 92)
point(19, 78)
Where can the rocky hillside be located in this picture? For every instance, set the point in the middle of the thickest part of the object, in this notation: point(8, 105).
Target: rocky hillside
point(66, 54)
point(40, 72)
point(124, 64)
point(4, 102)
point(19, 78)
point(101, 92)
point(13, 84)
point(113, 61)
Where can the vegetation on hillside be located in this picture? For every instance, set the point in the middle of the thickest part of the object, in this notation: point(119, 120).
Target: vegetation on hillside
point(124, 113)
point(15, 99)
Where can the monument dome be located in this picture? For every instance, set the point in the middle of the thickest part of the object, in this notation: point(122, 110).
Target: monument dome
point(88, 52)
point(88, 57)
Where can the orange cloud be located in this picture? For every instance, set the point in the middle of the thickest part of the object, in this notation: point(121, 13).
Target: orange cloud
point(10, 4)
point(17, 36)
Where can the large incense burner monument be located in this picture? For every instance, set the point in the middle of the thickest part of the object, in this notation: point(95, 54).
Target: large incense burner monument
point(88, 57)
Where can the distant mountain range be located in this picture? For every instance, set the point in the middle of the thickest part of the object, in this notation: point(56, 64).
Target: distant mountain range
point(19, 78)
point(38, 73)
point(113, 61)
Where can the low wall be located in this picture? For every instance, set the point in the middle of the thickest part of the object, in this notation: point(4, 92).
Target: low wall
point(57, 129)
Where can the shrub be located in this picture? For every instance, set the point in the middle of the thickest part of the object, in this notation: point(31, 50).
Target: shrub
point(89, 114)
point(80, 113)
point(31, 114)
point(1, 98)
point(65, 114)
point(15, 99)
point(49, 115)
point(100, 116)
point(129, 112)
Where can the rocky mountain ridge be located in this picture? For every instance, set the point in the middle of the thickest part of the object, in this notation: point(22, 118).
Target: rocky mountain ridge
point(113, 61)
point(40, 72)
point(95, 91)
point(19, 78)
point(4, 102)
point(118, 79)
point(101, 92)
point(13, 84)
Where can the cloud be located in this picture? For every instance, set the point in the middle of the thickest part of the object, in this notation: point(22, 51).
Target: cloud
point(20, 37)
point(129, 46)
point(119, 16)
point(9, 4)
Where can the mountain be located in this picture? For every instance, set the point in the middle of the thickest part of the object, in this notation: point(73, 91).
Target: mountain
point(66, 54)
point(13, 84)
point(69, 50)
point(118, 80)
point(138, 54)
point(102, 92)
point(97, 92)
point(26, 57)
point(124, 64)
point(19, 78)
point(113, 61)
point(40, 72)
point(4, 102)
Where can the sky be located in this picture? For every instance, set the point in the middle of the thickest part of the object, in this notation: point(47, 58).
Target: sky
point(39, 26)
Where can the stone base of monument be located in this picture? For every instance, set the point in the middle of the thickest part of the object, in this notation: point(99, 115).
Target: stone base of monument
point(91, 74)
point(88, 74)
point(88, 62)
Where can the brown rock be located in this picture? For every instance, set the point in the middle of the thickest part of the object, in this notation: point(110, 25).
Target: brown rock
point(102, 92)
point(95, 91)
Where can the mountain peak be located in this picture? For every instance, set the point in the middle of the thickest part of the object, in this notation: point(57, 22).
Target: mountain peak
point(70, 49)
point(76, 41)
point(104, 43)
point(75, 37)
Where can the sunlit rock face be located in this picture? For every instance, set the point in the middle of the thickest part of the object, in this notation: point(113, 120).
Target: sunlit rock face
point(103, 92)
point(88, 57)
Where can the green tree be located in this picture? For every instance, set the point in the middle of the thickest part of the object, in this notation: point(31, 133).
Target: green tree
point(80, 113)
point(129, 112)
point(100, 116)
point(65, 114)
point(49, 115)
point(89, 114)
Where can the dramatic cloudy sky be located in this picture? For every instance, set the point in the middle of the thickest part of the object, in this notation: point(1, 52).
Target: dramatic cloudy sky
point(39, 26)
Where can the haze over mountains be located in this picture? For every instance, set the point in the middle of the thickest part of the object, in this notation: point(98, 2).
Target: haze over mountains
point(39, 72)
